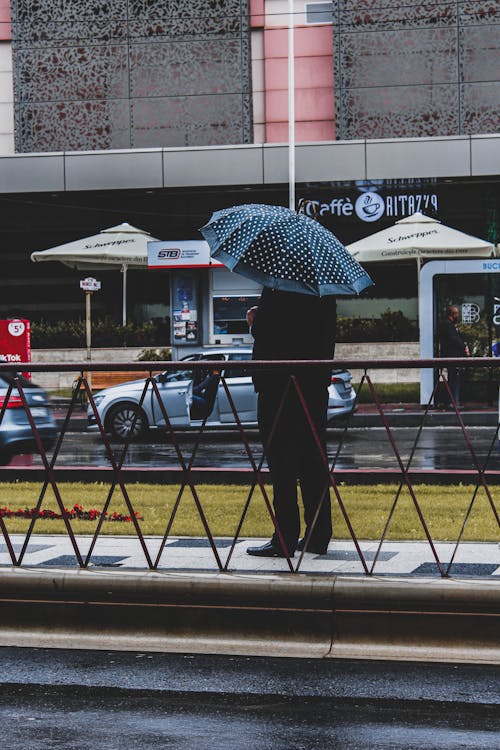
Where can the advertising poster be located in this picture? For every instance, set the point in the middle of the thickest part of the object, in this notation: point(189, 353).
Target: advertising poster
point(15, 342)
point(184, 309)
point(495, 344)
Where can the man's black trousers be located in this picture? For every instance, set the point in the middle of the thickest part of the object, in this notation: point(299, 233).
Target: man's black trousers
point(292, 454)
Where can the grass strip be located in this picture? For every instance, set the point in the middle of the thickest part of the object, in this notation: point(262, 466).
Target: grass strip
point(443, 507)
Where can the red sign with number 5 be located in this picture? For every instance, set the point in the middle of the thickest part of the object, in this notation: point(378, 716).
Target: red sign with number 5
point(15, 342)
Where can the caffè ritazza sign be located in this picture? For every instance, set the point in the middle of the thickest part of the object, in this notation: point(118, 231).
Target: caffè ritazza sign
point(371, 206)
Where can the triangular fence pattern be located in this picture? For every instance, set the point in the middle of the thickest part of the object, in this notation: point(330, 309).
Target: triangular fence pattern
point(117, 488)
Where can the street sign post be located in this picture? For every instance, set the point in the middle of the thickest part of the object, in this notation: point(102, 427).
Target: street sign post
point(89, 286)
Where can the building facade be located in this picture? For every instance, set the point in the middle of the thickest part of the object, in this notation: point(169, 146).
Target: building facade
point(157, 113)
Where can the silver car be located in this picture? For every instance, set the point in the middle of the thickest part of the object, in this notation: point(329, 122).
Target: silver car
point(117, 405)
point(16, 435)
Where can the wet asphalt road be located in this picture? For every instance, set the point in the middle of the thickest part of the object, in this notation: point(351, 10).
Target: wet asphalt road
point(361, 448)
point(83, 700)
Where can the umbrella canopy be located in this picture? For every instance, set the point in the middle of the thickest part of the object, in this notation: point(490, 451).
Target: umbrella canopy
point(122, 247)
point(419, 236)
point(283, 250)
point(110, 248)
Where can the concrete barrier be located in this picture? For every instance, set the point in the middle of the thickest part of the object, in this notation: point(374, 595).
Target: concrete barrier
point(361, 351)
point(274, 615)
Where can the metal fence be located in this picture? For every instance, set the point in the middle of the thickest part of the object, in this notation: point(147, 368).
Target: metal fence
point(482, 477)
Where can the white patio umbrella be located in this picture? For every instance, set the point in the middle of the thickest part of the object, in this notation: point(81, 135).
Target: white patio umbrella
point(419, 237)
point(123, 246)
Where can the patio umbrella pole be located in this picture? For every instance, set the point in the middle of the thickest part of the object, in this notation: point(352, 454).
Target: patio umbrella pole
point(124, 295)
point(88, 333)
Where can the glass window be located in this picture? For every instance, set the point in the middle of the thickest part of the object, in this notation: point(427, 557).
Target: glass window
point(230, 313)
point(238, 372)
point(173, 377)
point(319, 12)
point(477, 297)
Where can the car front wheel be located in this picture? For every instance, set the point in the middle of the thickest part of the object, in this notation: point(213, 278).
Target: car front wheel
point(122, 418)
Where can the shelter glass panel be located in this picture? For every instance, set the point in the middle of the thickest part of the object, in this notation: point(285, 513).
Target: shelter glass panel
point(477, 298)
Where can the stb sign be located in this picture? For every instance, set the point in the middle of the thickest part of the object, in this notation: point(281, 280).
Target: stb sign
point(90, 285)
point(180, 254)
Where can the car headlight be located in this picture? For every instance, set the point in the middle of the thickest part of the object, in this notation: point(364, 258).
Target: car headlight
point(97, 399)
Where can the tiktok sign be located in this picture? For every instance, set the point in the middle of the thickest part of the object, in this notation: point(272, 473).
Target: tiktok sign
point(15, 342)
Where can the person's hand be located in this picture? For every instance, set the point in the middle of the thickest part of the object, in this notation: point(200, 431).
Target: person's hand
point(251, 315)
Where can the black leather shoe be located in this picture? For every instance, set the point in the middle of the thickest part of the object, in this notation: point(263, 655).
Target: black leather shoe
point(267, 550)
point(314, 549)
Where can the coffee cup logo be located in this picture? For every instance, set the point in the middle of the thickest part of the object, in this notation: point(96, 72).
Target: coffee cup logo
point(369, 207)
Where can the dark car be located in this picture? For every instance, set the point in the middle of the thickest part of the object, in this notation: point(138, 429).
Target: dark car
point(16, 435)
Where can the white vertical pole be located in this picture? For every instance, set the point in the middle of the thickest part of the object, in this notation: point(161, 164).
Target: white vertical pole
point(88, 334)
point(419, 267)
point(291, 107)
point(88, 326)
point(124, 295)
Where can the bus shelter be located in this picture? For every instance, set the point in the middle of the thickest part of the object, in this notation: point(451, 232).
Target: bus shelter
point(473, 286)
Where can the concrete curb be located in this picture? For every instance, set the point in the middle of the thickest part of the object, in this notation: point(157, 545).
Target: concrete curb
point(213, 475)
point(241, 614)
point(435, 418)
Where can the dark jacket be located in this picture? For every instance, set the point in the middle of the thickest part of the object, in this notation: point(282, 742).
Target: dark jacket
point(289, 325)
point(451, 341)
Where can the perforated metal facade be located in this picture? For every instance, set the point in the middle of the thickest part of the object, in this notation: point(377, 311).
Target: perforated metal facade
point(419, 69)
point(94, 74)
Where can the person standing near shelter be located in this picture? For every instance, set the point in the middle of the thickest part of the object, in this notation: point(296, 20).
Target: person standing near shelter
point(452, 344)
point(285, 326)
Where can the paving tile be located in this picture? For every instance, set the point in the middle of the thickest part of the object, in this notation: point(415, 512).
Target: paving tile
point(31, 548)
point(70, 560)
point(458, 569)
point(349, 556)
point(199, 543)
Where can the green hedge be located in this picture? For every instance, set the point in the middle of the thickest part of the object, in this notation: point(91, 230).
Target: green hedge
point(69, 334)
point(391, 326)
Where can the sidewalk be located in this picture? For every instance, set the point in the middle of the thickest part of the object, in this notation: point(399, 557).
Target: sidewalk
point(194, 555)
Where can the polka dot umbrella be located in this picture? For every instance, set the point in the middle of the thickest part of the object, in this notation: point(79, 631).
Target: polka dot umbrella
point(283, 250)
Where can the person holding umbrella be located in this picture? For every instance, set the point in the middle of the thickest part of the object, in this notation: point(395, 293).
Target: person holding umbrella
point(294, 326)
point(302, 267)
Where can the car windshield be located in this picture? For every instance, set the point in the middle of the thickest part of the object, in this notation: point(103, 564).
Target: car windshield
point(172, 376)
